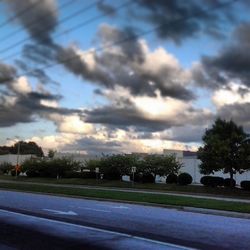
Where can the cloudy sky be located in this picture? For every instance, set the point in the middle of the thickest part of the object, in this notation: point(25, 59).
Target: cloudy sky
point(122, 76)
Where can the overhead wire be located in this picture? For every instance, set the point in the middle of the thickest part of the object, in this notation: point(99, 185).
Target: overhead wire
point(127, 39)
point(19, 13)
point(20, 42)
point(33, 22)
point(73, 28)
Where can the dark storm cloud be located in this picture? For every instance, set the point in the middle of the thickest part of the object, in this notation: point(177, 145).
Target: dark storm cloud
point(27, 107)
point(106, 8)
point(232, 63)
point(7, 73)
point(95, 147)
point(180, 134)
point(238, 112)
point(40, 53)
point(122, 66)
point(177, 19)
point(125, 115)
point(38, 73)
point(40, 20)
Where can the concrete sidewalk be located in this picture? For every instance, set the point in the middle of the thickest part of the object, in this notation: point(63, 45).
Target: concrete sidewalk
point(134, 190)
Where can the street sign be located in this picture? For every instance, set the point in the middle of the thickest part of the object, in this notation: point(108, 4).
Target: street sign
point(133, 169)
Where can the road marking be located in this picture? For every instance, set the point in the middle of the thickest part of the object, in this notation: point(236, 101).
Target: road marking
point(93, 209)
point(100, 230)
point(121, 207)
point(60, 212)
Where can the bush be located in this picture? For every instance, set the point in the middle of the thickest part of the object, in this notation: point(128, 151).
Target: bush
point(90, 175)
point(72, 174)
point(212, 181)
point(83, 175)
point(245, 185)
point(171, 178)
point(137, 177)
point(32, 173)
point(148, 178)
point(49, 168)
point(5, 167)
point(184, 179)
point(112, 173)
point(143, 178)
point(227, 182)
point(14, 172)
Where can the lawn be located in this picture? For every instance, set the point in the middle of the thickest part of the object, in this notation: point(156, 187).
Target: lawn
point(193, 189)
point(159, 199)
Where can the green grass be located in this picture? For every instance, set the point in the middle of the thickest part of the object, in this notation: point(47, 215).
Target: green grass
point(193, 189)
point(132, 197)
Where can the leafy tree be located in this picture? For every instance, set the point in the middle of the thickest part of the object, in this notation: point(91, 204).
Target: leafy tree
point(122, 164)
point(25, 148)
point(49, 168)
point(5, 167)
point(51, 153)
point(226, 147)
point(160, 164)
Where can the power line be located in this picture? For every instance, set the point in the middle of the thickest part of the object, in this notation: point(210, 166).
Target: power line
point(33, 22)
point(129, 38)
point(20, 42)
point(20, 13)
point(73, 28)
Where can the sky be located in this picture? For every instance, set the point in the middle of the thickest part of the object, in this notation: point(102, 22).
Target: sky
point(122, 76)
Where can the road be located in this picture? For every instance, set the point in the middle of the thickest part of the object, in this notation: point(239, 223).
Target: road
point(34, 221)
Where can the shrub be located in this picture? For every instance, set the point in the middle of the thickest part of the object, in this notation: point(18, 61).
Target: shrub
point(5, 167)
point(171, 178)
point(245, 185)
point(137, 177)
point(143, 178)
point(112, 173)
point(14, 172)
point(32, 173)
point(148, 178)
point(184, 179)
point(90, 175)
point(49, 168)
point(212, 181)
point(72, 174)
point(227, 182)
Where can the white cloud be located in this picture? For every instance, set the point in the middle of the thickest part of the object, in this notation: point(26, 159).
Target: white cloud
point(231, 95)
point(71, 124)
point(21, 85)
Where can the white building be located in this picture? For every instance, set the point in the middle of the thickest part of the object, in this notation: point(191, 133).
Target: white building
point(13, 158)
point(191, 166)
point(77, 156)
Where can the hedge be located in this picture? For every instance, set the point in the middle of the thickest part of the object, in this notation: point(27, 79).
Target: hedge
point(212, 181)
point(227, 182)
point(245, 185)
point(171, 178)
point(184, 179)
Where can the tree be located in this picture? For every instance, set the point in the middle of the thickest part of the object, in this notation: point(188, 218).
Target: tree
point(51, 153)
point(160, 164)
point(226, 147)
point(25, 148)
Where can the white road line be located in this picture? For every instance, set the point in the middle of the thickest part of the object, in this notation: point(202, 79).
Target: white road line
point(100, 230)
point(93, 209)
point(60, 212)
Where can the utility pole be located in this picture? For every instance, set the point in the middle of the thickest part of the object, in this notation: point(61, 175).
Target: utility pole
point(17, 159)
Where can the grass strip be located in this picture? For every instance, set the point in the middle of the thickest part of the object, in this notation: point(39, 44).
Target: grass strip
point(133, 197)
point(190, 189)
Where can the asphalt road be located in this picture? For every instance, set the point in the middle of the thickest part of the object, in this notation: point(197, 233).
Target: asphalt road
point(32, 221)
